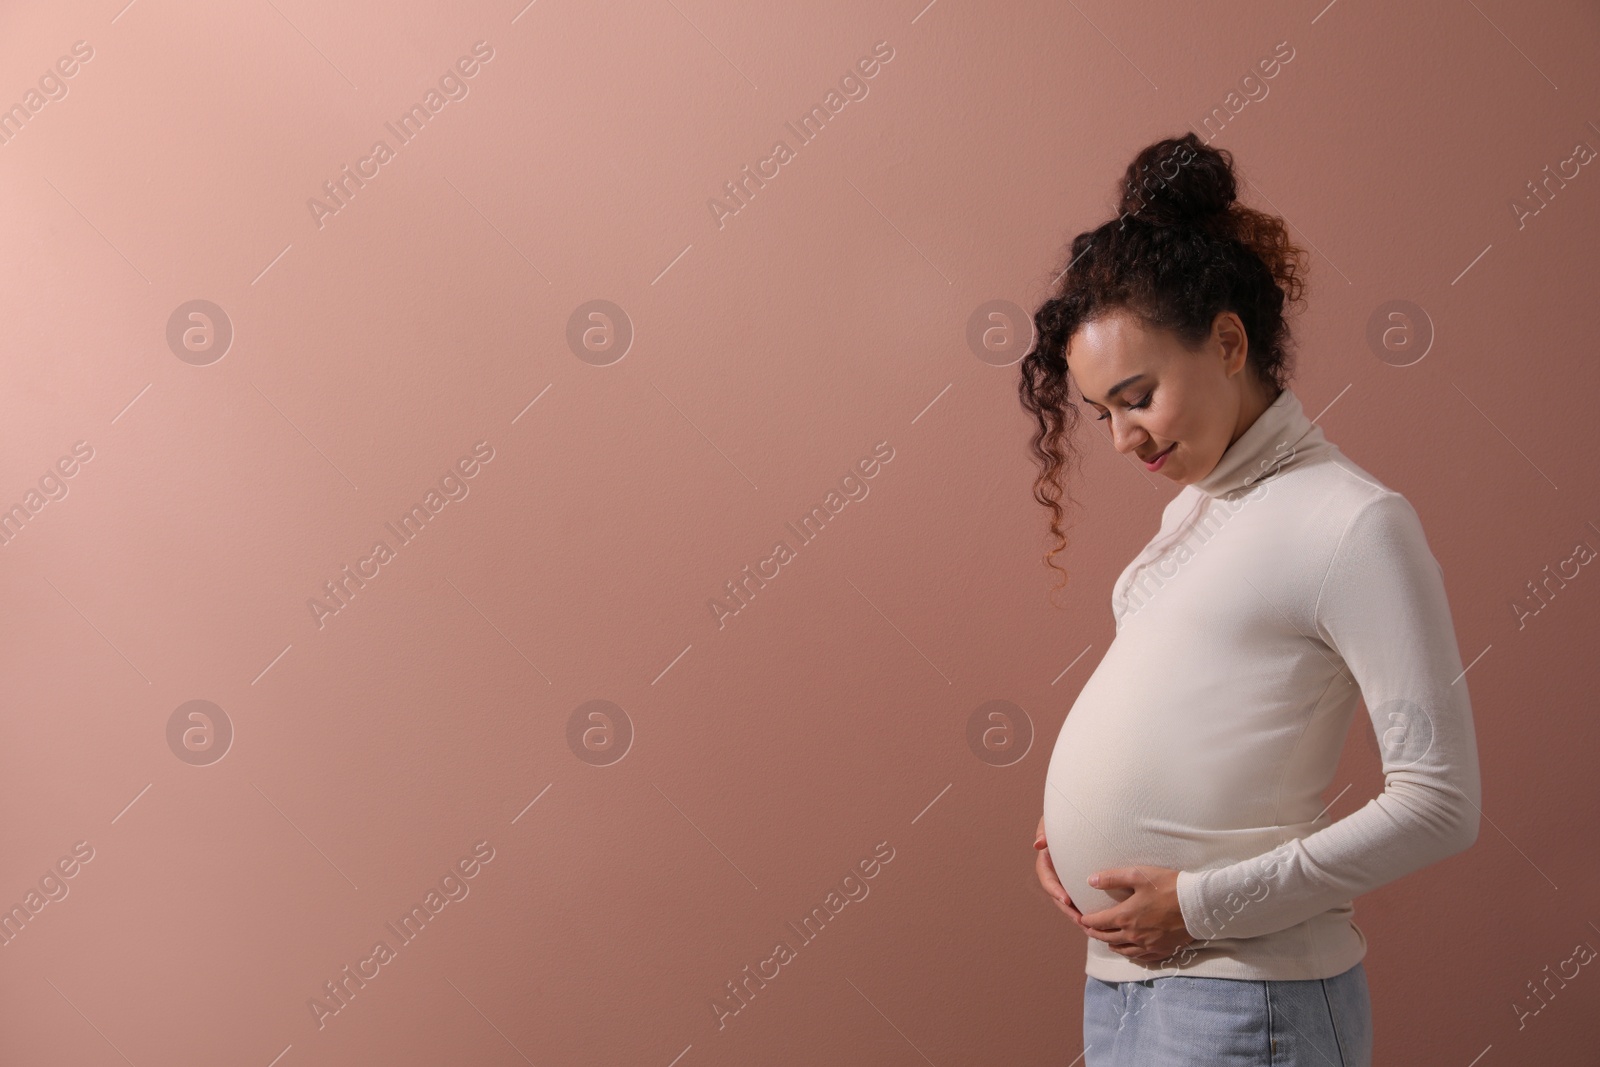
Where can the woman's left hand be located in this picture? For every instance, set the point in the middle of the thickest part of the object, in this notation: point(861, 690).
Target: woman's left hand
point(1147, 926)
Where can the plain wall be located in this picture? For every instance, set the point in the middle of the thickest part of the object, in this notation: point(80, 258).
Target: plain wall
point(766, 755)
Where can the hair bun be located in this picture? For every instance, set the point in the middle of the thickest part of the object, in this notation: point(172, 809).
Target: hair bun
point(1179, 181)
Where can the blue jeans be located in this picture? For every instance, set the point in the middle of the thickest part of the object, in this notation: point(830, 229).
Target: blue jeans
point(1228, 1022)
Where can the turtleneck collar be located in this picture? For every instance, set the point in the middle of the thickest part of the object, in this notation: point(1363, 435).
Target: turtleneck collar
point(1266, 445)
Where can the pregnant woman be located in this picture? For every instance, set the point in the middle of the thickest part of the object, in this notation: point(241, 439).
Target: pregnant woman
point(1184, 828)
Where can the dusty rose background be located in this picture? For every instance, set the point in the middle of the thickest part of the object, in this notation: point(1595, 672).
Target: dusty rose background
point(642, 458)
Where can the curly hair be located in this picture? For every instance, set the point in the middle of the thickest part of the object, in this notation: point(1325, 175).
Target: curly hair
point(1180, 252)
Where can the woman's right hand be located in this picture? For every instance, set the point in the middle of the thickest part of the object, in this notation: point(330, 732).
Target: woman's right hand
point(1050, 880)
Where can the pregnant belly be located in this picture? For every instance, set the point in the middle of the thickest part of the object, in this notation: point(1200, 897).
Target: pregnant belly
point(1131, 792)
point(1181, 765)
point(1103, 813)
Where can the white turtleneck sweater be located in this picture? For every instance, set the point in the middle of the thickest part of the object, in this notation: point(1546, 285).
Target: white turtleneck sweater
point(1281, 589)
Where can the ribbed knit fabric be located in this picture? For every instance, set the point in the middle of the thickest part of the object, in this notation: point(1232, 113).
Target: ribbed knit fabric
point(1280, 590)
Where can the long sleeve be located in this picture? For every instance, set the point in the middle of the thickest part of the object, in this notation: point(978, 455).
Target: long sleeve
point(1382, 610)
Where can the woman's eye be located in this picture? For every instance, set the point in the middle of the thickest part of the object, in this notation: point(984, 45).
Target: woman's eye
point(1143, 403)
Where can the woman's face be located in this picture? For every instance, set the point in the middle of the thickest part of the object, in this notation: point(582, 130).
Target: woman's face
point(1161, 401)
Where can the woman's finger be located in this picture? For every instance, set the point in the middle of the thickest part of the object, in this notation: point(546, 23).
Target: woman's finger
point(1053, 882)
point(1047, 875)
point(1052, 886)
point(1066, 899)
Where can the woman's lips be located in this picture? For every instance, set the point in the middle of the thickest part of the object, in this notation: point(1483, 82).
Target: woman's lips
point(1161, 458)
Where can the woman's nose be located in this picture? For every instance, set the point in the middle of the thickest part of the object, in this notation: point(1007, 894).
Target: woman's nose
point(1125, 437)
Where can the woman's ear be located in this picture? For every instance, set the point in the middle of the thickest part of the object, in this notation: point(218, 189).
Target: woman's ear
point(1229, 335)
